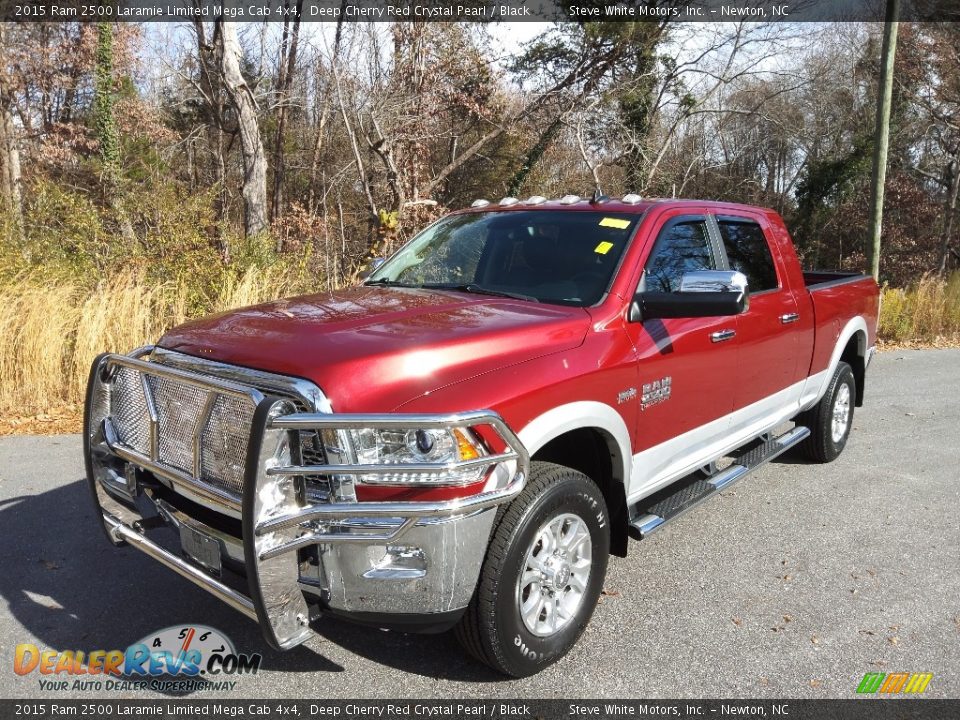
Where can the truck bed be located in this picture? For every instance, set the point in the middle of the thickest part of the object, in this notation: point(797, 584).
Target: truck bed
point(818, 279)
point(836, 297)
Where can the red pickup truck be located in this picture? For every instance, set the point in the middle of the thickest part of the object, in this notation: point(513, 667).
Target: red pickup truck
point(462, 441)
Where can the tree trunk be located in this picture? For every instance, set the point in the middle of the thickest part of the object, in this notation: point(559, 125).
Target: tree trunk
point(324, 108)
point(10, 156)
point(105, 124)
point(534, 154)
point(288, 60)
point(882, 135)
point(952, 176)
point(10, 159)
point(251, 146)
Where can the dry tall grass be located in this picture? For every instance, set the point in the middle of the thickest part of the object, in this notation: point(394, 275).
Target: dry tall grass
point(51, 331)
point(926, 313)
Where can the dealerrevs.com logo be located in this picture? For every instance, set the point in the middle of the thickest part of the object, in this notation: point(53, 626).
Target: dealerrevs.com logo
point(181, 658)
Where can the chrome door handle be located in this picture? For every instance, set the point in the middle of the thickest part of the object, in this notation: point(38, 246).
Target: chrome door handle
point(788, 318)
point(722, 335)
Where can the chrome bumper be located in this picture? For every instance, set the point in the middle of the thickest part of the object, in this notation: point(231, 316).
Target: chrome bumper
point(301, 555)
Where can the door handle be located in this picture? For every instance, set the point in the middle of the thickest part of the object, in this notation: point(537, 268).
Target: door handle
point(722, 335)
point(788, 318)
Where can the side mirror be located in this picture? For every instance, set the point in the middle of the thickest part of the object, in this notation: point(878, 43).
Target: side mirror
point(703, 293)
point(371, 267)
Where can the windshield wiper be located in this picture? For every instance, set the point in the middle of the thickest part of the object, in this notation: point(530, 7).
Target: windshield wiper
point(390, 283)
point(479, 290)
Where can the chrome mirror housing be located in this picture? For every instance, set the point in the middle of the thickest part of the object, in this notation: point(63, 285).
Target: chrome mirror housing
point(700, 281)
point(702, 293)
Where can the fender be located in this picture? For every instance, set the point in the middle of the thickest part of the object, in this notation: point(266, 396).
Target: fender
point(575, 416)
point(816, 385)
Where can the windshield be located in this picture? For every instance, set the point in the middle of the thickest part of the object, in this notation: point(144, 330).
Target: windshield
point(564, 257)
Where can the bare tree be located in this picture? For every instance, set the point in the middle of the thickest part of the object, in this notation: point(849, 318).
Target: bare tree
point(287, 64)
point(10, 177)
point(241, 98)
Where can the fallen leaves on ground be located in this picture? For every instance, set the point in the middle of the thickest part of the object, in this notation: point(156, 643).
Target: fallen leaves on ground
point(939, 343)
point(67, 419)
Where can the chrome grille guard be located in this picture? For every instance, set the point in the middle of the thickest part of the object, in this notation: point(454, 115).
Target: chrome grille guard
point(137, 437)
point(276, 517)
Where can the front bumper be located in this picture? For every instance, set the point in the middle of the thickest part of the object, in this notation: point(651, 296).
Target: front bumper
point(281, 555)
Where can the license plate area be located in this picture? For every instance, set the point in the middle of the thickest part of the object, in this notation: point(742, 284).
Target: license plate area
point(201, 548)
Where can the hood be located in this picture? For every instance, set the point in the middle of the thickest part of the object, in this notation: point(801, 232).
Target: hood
point(370, 349)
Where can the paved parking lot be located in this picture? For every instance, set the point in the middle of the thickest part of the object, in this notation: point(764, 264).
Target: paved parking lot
point(794, 583)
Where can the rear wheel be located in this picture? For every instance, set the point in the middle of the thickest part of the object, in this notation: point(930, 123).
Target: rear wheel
point(831, 420)
point(543, 573)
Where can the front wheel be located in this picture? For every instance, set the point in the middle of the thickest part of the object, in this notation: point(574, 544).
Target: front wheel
point(542, 575)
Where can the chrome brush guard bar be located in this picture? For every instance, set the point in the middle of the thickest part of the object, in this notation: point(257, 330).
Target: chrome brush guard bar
point(277, 518)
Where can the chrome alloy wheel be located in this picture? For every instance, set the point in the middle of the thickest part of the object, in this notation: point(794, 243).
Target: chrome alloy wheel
point(841, 413)
point(555, 575)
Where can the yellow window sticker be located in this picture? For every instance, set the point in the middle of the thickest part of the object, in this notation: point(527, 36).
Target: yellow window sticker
point(618, 223)
point(603, 248)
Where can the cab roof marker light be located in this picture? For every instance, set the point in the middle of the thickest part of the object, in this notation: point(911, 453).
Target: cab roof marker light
point(630, 199)
point(535, 200)
point(508, 201)
point(569, 199)
point(479, 202)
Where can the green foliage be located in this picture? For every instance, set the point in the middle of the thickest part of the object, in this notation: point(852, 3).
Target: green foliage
point(533, 156)
point(104, 121)
point(826, 185)
point(388, 220)
point(63, 231)
point(68, 234)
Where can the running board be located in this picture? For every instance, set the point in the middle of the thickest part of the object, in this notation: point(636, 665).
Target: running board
point(687, 497)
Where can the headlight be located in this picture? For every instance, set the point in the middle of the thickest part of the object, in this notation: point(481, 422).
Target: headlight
point(443, 447)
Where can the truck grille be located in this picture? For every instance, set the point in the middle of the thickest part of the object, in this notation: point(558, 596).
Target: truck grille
point(200, 432)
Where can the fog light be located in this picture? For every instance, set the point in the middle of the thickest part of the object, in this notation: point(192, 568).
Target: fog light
point(400, 562)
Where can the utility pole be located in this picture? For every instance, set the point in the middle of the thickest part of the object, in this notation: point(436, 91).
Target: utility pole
point(882, 135)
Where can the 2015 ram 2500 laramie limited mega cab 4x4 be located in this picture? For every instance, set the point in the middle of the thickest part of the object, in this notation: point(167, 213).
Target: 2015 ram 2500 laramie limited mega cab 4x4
point(462, 441)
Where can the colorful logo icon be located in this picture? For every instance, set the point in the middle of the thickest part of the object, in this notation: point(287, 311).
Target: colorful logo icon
point(894, 683)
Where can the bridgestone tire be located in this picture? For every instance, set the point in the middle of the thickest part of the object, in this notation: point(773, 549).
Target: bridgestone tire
point(492, 629)
point(820, 446)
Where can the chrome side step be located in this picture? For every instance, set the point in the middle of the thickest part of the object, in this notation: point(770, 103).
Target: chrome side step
point(692, 494)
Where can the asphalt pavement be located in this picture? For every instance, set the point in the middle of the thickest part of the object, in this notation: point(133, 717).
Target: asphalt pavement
point(793, 583)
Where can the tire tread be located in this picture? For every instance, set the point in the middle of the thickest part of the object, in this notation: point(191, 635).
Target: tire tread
point(818, 447)
point(469, 631)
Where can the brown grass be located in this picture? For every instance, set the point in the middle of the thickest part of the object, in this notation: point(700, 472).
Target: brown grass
point(924, 315)
point(51, 331)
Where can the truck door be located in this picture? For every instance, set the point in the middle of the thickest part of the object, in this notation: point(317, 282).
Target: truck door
point(687, 366)
point(768, 331)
